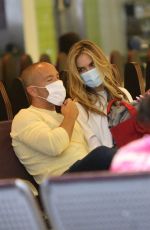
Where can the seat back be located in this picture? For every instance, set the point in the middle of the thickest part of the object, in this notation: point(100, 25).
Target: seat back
point(25, 61)
point(117, 76)
point(10, 166)
point(18, 207)
point(18, 96)
point(118, 59)
point(98, 201)
point(63, 75)
point(133, 79)
point(147, 76)
point(1, 75)
point(11, 70)
point(5, 105)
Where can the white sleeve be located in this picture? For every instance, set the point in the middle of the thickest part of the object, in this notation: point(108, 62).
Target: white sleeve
point(91, 138)
point(93, 142)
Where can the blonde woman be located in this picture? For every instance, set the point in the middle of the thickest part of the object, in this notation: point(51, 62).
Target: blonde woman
point(92, 84)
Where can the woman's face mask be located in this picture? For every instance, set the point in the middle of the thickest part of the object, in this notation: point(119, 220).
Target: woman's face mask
point(57, 92)
point(92, 78)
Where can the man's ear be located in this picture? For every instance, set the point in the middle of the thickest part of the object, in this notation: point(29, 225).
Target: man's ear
point(32, 91)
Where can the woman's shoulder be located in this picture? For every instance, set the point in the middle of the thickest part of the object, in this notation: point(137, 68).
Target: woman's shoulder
point(80, 107)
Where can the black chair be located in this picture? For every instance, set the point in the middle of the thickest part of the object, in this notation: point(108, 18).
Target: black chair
point(133, 79)
point(118, 59)
point(117, 76)
point(63, 75)
point(98, 201)
point(147, 76)
point(10, 70)
point(1, 75)
point(18, 207)
point(10, 166)
point(18, 96)
point(25, 61)
point(5, 105)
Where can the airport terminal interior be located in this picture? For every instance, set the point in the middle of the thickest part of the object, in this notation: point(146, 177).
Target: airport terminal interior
point(74, 114)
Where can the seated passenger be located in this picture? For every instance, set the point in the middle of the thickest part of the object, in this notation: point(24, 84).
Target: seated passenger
point(92, 85)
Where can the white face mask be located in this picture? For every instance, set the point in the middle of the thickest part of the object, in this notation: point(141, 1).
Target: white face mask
point(92, 78)
point(57, 92)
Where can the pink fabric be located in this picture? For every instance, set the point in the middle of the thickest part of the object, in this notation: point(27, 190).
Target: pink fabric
point(133, 157)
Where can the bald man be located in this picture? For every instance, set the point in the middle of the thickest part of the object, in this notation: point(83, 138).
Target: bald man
point(46, 142)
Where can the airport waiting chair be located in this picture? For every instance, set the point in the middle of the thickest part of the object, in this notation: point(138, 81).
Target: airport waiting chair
point(5, 105)
point(63, 75)
point(147, 76)
point(18, 96)
point(118, 59)
point(10, 166)
point(1, 75)
point(10, 70)
point(99, 201)
point(25, 61)
point(18, 207)
point(117, 75)
point(133, 79)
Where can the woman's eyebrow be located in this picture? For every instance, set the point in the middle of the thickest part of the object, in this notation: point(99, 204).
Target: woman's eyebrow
point(81, 67)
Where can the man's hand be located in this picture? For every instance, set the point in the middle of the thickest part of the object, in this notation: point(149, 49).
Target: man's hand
point(70, 112)
point(69, 109)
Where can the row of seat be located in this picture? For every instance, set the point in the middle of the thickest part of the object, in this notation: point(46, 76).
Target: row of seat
point(88, 201)
point(11, 66)
point(10, 166)
point(17, 98)
point(85, 201)
point(134, 80)
point(131, 67)
point(10, 105)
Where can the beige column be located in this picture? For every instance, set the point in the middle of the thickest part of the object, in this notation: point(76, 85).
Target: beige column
point(30, 29)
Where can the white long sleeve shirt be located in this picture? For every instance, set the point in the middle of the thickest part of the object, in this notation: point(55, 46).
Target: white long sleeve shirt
point(95, 126)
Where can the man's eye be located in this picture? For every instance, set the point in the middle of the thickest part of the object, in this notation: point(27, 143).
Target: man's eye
point(49, 80)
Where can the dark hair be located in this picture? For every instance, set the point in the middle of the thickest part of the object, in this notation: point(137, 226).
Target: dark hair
point(67, 40)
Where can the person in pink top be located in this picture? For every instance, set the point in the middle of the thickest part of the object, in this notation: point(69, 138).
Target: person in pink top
point(135, 156)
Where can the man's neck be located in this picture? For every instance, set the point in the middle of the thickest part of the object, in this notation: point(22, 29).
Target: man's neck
point(43, 105)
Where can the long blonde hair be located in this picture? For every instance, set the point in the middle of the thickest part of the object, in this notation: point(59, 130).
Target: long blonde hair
point(77, 89)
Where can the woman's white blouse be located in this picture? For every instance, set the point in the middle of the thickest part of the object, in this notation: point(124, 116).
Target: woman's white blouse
point(95, 126)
